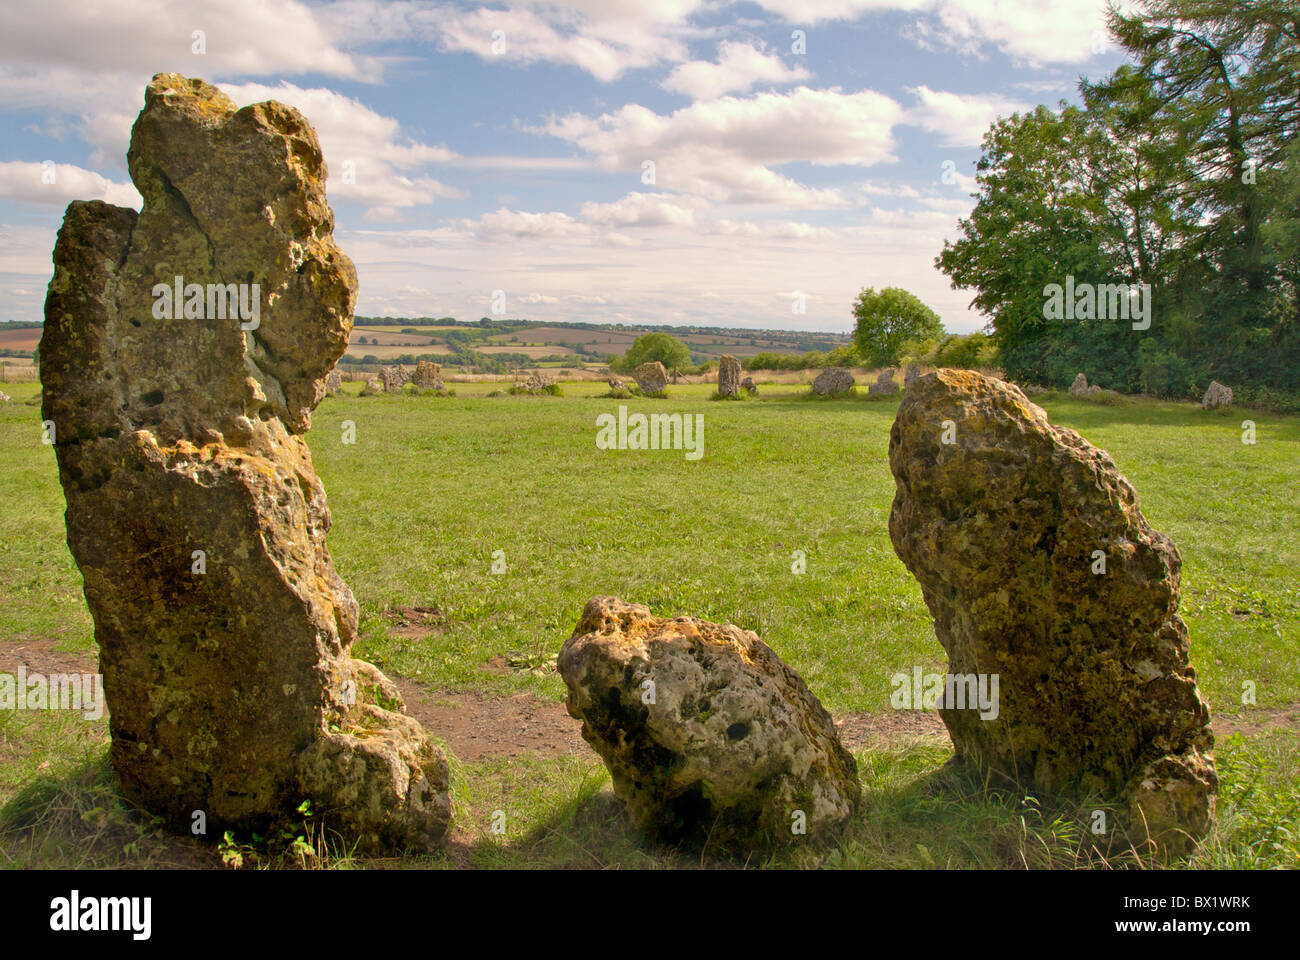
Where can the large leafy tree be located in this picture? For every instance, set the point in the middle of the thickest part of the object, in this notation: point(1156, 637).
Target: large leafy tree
point(1218, 81)
point(664, 347)
point(887, 319)
point(1034, 224)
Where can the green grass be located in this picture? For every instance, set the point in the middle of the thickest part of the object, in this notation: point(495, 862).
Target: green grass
point(433, 488)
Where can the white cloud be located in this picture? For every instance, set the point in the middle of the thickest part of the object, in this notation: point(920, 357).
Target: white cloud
point(27, 182)
point(603, 39)
point(1030, 31)
point(725, 149)
point(661, 272)
point(961, 119)
point(249, 37)
point(739, 69)
point(506, 224)
point(643, 210)
point(813, 12)
point(355, 139)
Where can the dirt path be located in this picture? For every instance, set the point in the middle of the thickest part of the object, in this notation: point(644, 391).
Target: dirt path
point(476, 726)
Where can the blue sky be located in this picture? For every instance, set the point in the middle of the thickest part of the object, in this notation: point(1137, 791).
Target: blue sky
point(685, 162)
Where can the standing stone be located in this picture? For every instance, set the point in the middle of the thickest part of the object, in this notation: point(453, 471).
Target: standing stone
point(427, 376)
point(832, 381)
point(729, 376)
point(371, 387)
point(749, 385)
point(913, 371)
point(616, 384)
point(707, 734)
point(394, 378)
point(885, 385)
point(535, 382)
point(1038, 567)
point(334, 382)
point(1080, 386)
point(193, 510)
point(1217, 396)
point(651, 377)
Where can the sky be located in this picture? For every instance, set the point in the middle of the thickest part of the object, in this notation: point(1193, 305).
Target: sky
point(695, 162)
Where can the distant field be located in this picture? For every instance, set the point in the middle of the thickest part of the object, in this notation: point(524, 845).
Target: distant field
point(19, 339)
point(387, 352)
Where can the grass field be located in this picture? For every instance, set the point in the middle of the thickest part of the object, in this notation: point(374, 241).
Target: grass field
point(433, 487)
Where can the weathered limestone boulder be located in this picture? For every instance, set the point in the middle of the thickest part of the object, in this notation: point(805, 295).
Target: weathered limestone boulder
point(4, 397)
point(913, 371)
point(393, 378)
point(749, 385)
point(1038, 567)
point(535, 382)
point(832, 381)
point(427, 376)
point(729, 376)
point(1080, 386)
point(705, 731)
point(1217, 396)
point(193, 510)
point(651, 377)
point(616, 384)
point(885, 385)
point(371, 387)
point(334, 382)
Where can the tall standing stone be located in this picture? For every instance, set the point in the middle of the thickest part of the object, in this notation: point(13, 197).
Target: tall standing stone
point(193, 510)
point(1038, 567)
point(729, 374)
point(427, 376)
point(651, 377)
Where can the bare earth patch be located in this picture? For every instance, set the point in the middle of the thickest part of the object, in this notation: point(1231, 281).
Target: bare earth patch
point(476, 725)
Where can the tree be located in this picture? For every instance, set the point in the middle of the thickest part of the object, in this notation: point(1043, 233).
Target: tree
point(887, 319)
point(664, 347)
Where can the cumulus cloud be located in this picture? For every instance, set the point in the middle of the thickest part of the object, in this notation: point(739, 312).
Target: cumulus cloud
point(644, 210)
point(725, 149)
point(238, 36)
point(604, 39)
point(740, 67)
point(61, 183)
point(960, 119)
point(1031, 31)
point(369, 159)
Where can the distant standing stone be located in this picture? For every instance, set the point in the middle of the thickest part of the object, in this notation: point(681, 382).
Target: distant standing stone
point(748, 384)
point(427, 376)
point(1080, 386)
point(1217, 396)
point(334, 382)
point(913, 371)
point(651, 377)
point(885, 384)
point(832, 381)
point(729, 376)
point(394, 378)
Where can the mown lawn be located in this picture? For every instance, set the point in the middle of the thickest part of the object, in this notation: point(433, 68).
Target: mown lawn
point(433, 490)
